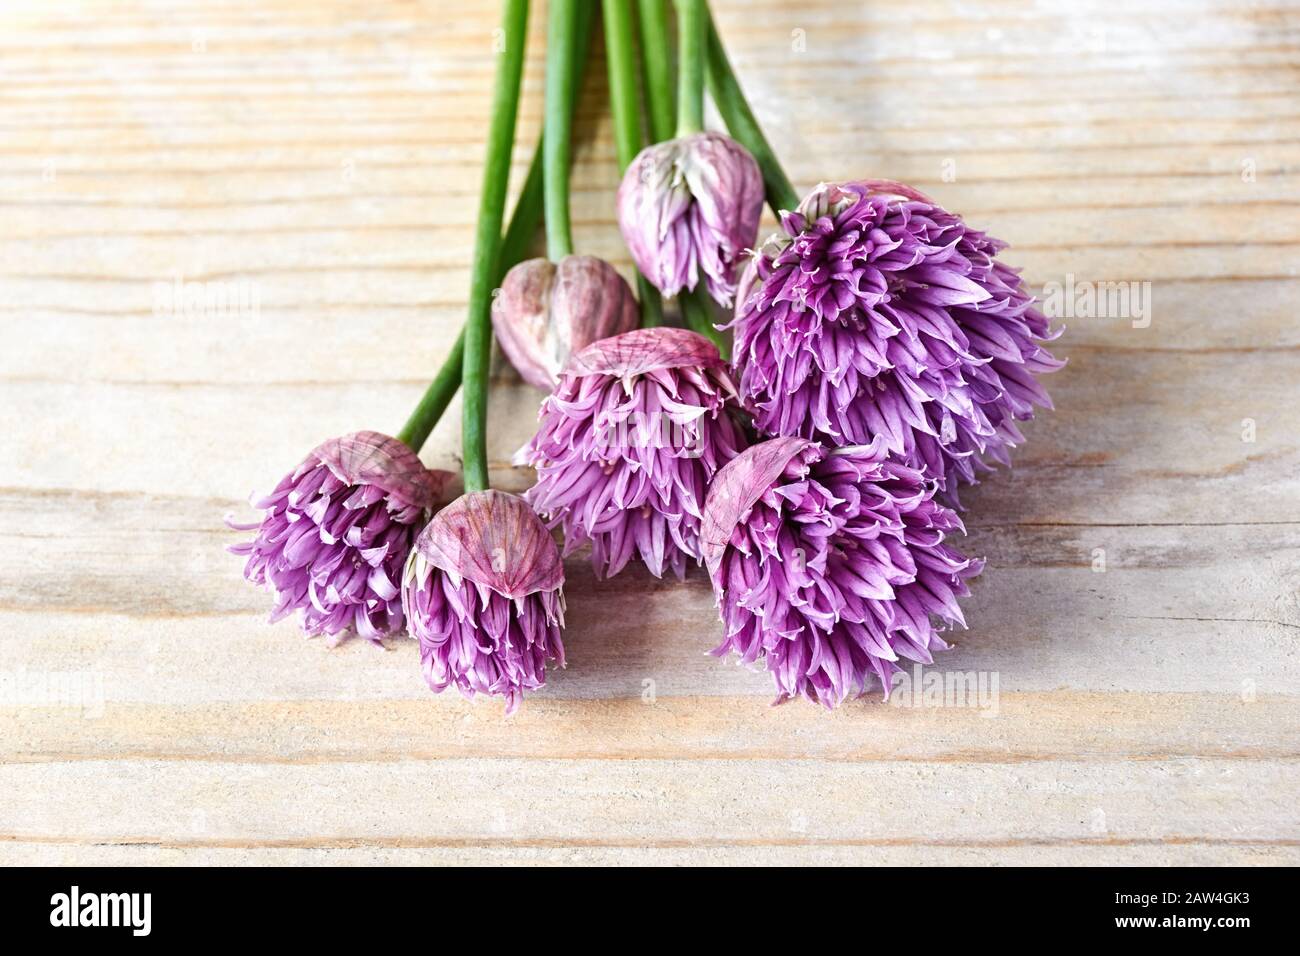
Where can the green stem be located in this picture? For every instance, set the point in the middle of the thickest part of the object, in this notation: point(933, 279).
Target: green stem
point(561, 49)
point(697, 313)
point(525, 219)
point(487, 243)
point(528, 207)
point(692, 42)
point(652, 307)
point(730, 100)
point(620, 52)
point(521, 231)
point(657, 65)
point(435, 399)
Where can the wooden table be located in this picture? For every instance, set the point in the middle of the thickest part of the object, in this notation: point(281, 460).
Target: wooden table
point(1139, 609)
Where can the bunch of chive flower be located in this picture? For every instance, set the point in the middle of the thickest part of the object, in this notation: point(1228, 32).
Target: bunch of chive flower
point(628, 443)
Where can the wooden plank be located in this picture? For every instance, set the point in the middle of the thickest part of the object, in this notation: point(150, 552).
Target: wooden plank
point(1154, 619)
point(1010, 728)
point(31, 853)
point(651, 802)
point(1138, 437)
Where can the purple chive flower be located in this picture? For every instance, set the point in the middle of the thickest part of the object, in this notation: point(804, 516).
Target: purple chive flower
point(483, 594)
point(628, 443)
point(546, 311)
point(830, 566)
point(336, 532)
point(875, 312)
point(690, 206)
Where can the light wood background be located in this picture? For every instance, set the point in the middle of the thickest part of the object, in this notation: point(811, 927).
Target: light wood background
point(329, 154)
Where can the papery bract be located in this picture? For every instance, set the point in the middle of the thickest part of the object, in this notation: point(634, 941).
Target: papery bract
point(688, 209)
point(876, 313)
point(546, 311)
point(830, 566)
point(628, 443)
point(483, 594)
point(336, 533)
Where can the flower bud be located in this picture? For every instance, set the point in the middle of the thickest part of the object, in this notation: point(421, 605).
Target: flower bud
point(546, 311)
point(691, 206)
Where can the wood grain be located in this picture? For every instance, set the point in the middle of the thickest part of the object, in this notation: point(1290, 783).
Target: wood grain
point(327, 155)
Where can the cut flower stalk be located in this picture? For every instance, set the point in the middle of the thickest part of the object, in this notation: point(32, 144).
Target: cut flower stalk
point(620, 51)
point(478, 327)
point(656, 65)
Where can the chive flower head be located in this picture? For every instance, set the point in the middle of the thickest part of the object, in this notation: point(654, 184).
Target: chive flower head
point(874, 312)
point(336, 532)
point(483, 593)
point(628, 443)
point(830, 565)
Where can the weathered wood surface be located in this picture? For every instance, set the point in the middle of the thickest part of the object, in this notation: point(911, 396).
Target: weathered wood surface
point(329, 154)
